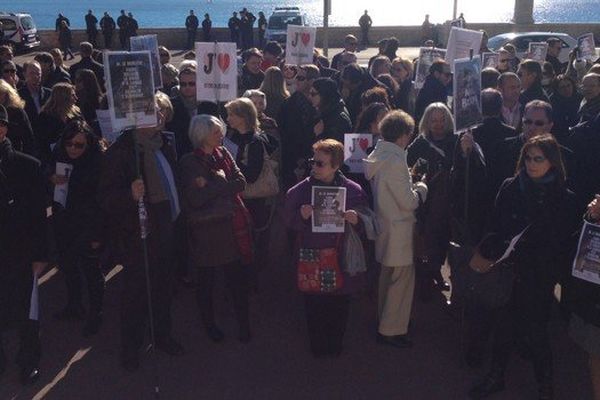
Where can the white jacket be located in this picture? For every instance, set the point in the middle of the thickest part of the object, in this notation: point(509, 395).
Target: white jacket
point(396, 199)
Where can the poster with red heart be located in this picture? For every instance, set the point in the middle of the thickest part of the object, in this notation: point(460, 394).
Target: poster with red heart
point(355, 150)
point(216, 74)
point(300, 44)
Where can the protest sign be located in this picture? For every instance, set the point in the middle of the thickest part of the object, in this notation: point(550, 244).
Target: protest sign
point(329, 205)
point(460, 44)
point(537, 51)
point(586, 265)
point(130, 89)
point(149, 43)
point(489, 60)
point(355, 150)
point(61, 191)
point(300, 44)
point(427, 55)
point(587, 47)
point(467, 93)
point(216, 74)
point(105, 123)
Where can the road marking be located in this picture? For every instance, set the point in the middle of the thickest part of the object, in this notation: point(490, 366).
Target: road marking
point(46, 389)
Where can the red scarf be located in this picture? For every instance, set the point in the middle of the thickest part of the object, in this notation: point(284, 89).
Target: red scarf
point(241, 217)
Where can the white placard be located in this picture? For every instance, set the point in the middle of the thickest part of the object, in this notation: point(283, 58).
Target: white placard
point(467, 93)
point(149, 43)
point(460, 44)
point(427, 55)
point(489, 60)
point(587, 47)
point(586, 265)
point(61, 191)
point(130, 89)
point(300, 44)
point(216, 74)
point(537, 51)
point(355, 150)
point(329, 206)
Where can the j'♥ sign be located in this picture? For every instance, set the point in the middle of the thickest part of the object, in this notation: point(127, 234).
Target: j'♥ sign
point(216, 75)
point(223, 61)
point(304, 38)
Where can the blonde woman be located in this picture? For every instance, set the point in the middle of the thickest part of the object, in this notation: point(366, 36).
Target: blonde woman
point(59, 110)
point(20, 132)
point(274, 87)
point(402, 71)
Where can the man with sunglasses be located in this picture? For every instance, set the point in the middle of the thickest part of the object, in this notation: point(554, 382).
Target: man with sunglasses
point(295, 122)
point(435, 88)
point(8, 70)
point(185, 106)
point(6, 54)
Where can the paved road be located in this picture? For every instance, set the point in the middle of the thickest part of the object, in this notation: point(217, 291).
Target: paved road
point(276, 364)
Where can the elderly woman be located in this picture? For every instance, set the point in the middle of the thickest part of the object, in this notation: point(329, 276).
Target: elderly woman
point(433, 149)
point(326, 310)
point(333, 119)
point(537, 202)
point(253, 147)
point(267, 124)
point(20, 132)
point(138, 176)
point(78, 223)
point(218, 223)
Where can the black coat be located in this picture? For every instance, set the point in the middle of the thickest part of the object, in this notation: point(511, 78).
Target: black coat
point(20, 132)
point(89, 63)
point(564, 115)
point(59, 75)
point(336, 122)
point(535, 92)
point(179, 125)
point(585, 143)
point(30, 109)
point(47, 129)
point(432, 92)
point(247, 80)
point(250, 155)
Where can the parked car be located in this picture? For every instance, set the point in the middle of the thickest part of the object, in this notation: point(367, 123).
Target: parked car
point(280, 19)
point(521, 41)
point(20, 31)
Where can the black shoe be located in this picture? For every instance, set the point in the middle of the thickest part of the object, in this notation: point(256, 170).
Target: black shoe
point(399, 341)
point(215, 334)
point(170, 346)
point(92, 325)
point(487, 387)
point(245, 335)
point(29, 375)
point(70, 313)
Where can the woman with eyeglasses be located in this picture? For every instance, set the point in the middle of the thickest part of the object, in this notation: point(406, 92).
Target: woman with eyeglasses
point(20, 132)
point(59, 110)
point(431, 154)
point(77, 223)
point(535, 201)
point(333, 119)
point(326, 311)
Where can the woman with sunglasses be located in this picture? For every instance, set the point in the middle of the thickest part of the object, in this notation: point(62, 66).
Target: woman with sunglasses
point(333, 119)
point(326, 312)
point(433, 151)
point(9, 73)
point(77, 224)
point(537, 202)
point(20, 132)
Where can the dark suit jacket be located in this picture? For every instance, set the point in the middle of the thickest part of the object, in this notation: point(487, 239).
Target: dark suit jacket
point(88, 63)
point(30, 109)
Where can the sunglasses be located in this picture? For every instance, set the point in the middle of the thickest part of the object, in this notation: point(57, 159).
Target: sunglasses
point(317, 163)
point(186, 84)
point(535, 159)
point(78, 146)
point(9, 71)
point(537, 122)
point(300, 78)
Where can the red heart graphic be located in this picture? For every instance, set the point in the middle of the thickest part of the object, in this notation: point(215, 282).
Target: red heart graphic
point(305, 38)
point(363, 143)
point(223, 61)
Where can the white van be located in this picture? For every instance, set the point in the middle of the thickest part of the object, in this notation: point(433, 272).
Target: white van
point(20, 31)
point(280, 19)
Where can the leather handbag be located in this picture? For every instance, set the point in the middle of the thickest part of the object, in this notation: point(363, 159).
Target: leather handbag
point(267, 184)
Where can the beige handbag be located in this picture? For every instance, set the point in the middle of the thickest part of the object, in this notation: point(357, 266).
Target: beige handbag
point(267, 184)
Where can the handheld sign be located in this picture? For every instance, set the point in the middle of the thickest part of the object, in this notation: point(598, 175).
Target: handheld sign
point(300, 44)
point(62, 191)
point(586, 265)
point(216, 74)
point(130, 89)
point(149, 43)
point(489, 60)
point(329, 206)
point(537, 51)
point(587, 47)
point(460, 43)
point(427, 55)
point(467, 93)
point(355, 150)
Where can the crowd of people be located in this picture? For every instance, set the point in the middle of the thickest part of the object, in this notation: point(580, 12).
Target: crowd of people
point(196, 194)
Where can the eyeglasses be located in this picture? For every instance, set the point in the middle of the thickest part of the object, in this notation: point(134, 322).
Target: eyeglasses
point(313, 93)
point(78, 146)
point(186, 84)
point(9, 71)
point(317, 163)
point(537, 122)
point(535, 159)
point(300, 78)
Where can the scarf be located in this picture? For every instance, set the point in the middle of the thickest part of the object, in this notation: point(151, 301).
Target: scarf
point(241, 221)
point(147, 145)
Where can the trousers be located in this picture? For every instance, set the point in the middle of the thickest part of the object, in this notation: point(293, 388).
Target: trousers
point(396, 290)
